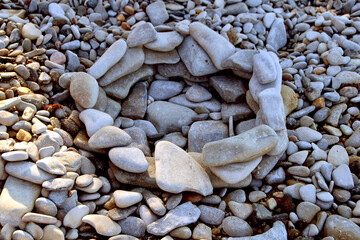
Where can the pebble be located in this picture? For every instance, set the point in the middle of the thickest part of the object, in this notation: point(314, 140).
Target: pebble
point(73, 219)
point(30, 31)
point(133, 226)
point(342, 177)
point(102, 224)
point(108, 137)
point(211, 215)
point(157, 13)
point(141, 35)
point(124, 199)
point(236, 227)
point(129, 159)
point(95, 120)
point(84, 89)
point(340, 227)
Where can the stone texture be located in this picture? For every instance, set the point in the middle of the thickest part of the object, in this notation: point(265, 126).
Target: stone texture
point(84, 89)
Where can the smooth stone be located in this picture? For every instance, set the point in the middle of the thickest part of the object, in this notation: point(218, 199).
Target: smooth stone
point(236, 227)
point(215, 45)
point(264, 68)
point(157, 13)
point(154, 202)
point(15, 156)
point(52, 232)
point(241, 60)
point(277, 37)
point(354, 139)
point(84, 89)
point(211, 215)
point(129, 63)
point(120, 88)
point(202, 132)
point(182, 215)
point(290, 99)
point(94, 187)
point(196, 60)
point(176, 171)
point(38, 218)
point(112, 55)
point(21, 235)
point(230, 88)
point(169, 117)
point(17, 198)
point(341, 228)
point(202, 231)
point(109, 136)
point(8, 103)
point(235, 172)
point(124, 199)
point(338, 155)
point(133, 226)
point(141, 35)
point(308, 193)
point(307, 134)
point(51, 165)
point(162, 90)
point(241, 210)
point(165, 41)
point(27, 171)
point(58, 184)
point(298, 157)
point(342, 177)
point(135, 105)
point(241, 148)
point(45, 206)
point(30, 31)
point(306, 211)
point(212, 105)
point(130, 159)
point(139, 139)
point(102, 224)
point(277, 232)
point(197, 93)
point(73, 218)
point(95, 120)
point(8, 118)
point(155, 57)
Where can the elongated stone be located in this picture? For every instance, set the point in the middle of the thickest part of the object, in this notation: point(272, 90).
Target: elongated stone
point(112, 55)
point(165, 41)
point(215, 45)
point(132, 61)
point(241, 148)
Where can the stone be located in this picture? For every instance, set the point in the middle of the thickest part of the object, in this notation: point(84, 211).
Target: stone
point(113, 54)
point(8, 118)
point(157, 13)
point(73, 219)
point(290, 99)
point(124, 199)
point(130, 159)
point(176, 171)
point(307, 134)
point(239, 111)
point(308, 193)
point(306, 211)
point(341, 228)
point(130, 62)
point(182, 215)
point(202, 231)
point(202, 132)
point(232, 89)
point(51, 232)
point(241, 210)
point(196, 60)
point(51, 165)
point(135, 104)
point(215, 45)
point(154, 202)
point(162, 90)
point(338, 155)
point(15, 156)
point(168, 117)
point(235, 172)
point(181, 233)
point(30, 31)
point(45, 206)
point(109, 136)
point(277, 232)
point(277, 37)
point(141, 35)
point(197, 93)
point(58, 184)
point(133, 226)
point(354, 139)
point(27, 171)
point(241, 60)
point(8, 103)
point(298, 157)
point(236, 227)
point(95, 120)
point(241, 148)
point(342, 177)
point(264, 68)
point(84, 89)
point(211, 215)
point(212, 105)
point(165, 41)
point(17, 198)
point(120, 88)
point(155, 57)
point(102, 224)
point(38, 218)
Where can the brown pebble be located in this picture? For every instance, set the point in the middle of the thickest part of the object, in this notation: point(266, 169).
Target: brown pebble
point(23, 135)
point(215, 231)
point(287, 77)
point(110, 204)
point(232, 35)
point(120, 18)
point(287, 204)
point(293, 233)
point(192, 197)
point(355, 165)
point(125, 26)
point(319, 102)
point(129, 10)
point(319, 70)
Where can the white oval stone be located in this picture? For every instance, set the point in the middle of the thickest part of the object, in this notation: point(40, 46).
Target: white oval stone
point(84, 89)
point(129, 159)
point(124, 199)
point(102, 224)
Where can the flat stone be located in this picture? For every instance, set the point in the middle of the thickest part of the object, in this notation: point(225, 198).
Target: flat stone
point(129, 63)
point(277, 232)
point(236, 227)
point(298, 157)
point(264, 68)
point(15, 156)
point(95, 120)
point(113, 54)
point(236, 172)
point(73, 218)
point(211, 215)
point(157, 13)
point(169, 117)
point(215, 45)
point(155, 203)
point(202, 132)
point(342, 177)
point(341, 228)
point(38, 218)
point(196, 60)
point(120, 88)
point(45, 206)
point(197, 93)
point(8, 118)
point(162, 90)
point(30, 31)
point(84, 89)
point(202, 231)
point(58, 184)
point(129, 159)
point(212, 105)
point(290, 99)
point(155, 57)
point(182, 215)
point(124, 199)
point(176, 171)
point(306, 211)
point(51, 232)
point(338, 155)
point(165, 41)
point(16, 199)
point(239, 111)
point(277, 37)
point(241, 60)
point(241, 148)
point(51, 165)
point(241, 210)
point(133, 226)
point(230, 88)
point(102, 224)
point(27, 171)
point(135, 104)
point(307, 134)
point(141, 35)
point(308, 193)
point(354, 139)
point(109, 136)
point(8, 103)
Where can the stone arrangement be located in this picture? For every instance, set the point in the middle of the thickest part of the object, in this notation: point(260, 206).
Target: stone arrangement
point(179, 120)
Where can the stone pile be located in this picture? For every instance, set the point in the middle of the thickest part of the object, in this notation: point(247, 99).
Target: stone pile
point(137, 120)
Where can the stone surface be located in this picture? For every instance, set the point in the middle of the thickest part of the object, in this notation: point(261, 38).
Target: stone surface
point(124, 199)
point(176, 171)
point(341, 228)
point(230, 88)
point(141, 35)
point(84, 89)
point(241, 148)
point(165, 41)
point(95, 120)
point(102, 224)
point(109, 136)
point(129, 159)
